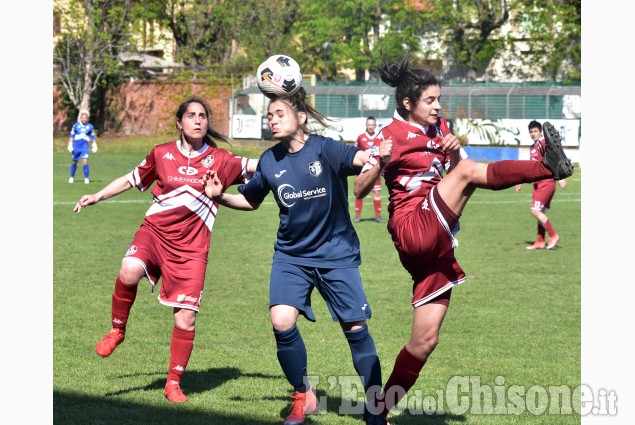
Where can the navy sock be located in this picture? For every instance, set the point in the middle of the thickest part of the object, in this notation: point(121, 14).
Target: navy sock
point(86, 171)
point(292, 357)
point(365, 357)
point(73, 169)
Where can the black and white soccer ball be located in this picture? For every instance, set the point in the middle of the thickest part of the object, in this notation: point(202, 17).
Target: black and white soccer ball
point(279, 75)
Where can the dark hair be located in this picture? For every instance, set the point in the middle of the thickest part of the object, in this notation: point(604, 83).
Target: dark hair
point(535, 124)
point(298, 103)
point(211, 133)
point(371, 118)
point(409, 82)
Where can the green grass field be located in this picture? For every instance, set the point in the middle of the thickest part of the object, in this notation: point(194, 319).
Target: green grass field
point(512, 328)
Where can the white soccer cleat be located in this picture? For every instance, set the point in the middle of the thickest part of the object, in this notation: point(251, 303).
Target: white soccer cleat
point(86, 180)
point(71, 180)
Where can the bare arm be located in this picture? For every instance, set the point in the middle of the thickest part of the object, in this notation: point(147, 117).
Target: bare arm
point(452, 145)
point(114, 188)
point(252, 164)
point(373, 167)
point(214, 190)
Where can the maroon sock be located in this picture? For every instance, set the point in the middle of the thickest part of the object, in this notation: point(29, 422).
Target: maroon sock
point(180, 349)
point(508, 173)
point(377, 205)
point(541, 233)
point(403, 377)
point(122, 300)
point(358, 207)
point(549, 228)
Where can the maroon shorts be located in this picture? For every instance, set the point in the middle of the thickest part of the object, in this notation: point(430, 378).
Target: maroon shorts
point(182, 279)
point(542, 194)
point(425, 244)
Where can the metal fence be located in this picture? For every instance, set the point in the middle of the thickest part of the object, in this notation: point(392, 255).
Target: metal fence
point(487, 100)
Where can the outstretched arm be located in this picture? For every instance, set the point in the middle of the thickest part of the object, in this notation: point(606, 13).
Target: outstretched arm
point(214, 190)
point(372, 168)
point(117, 186)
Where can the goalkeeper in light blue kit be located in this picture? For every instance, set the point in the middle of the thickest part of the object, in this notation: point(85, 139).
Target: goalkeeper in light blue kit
point(81, 133)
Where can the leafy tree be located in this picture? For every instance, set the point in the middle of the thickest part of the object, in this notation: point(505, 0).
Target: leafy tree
point(91, 36)
point(553, 35)
point(470, 33)
point(202, 31)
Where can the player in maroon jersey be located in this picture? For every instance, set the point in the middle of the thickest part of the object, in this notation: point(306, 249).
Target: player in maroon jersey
point(542, 193)
point(430, 181)
point(366, 142)
point(173, 241)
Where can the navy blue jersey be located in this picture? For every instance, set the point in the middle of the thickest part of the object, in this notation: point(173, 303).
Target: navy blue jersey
point(81, 135)
point(311, 189)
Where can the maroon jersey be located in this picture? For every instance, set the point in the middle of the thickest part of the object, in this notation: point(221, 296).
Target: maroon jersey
point(421, 224)
point(181, 216)
point(536, 153)
point(366, 142)
point(417, 163)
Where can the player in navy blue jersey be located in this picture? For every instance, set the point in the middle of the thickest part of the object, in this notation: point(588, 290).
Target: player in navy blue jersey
point(81, 134)
point(316, 246)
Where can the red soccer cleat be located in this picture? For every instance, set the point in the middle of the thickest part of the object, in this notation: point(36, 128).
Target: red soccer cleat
point(553, 241)
point(304, 404)
point(173, 392)
point(107, 345)
point(537, 245)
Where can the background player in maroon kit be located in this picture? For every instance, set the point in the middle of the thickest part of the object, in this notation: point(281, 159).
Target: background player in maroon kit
point(173, 241)
point(542, 193)
point(366, 142)
point(430, 183)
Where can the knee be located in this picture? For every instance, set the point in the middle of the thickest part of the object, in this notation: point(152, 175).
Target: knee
point(466, 168)
point(282, 322)
point(423, 346)
point(131, 273)
point(185, 319)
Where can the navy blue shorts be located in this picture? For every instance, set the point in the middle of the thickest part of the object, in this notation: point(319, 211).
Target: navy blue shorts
point(341, 289)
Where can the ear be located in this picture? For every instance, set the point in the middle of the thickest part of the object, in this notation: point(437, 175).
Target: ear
point(302, 118)
point(407, 104)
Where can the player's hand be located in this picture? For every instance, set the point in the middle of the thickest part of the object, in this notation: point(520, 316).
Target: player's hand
point(451, 143)
point(94, 147)
point(563, 184)
point(385, 152)
point(70, 147)
point(211, 184)
point(85, 201)
point(518, 187)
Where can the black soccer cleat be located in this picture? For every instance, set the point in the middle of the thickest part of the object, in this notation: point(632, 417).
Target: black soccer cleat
point(554, 157)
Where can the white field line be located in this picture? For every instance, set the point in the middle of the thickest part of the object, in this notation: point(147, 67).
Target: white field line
point(499, 202)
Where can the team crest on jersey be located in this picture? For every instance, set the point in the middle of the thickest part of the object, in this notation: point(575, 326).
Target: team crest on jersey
point(208, 161)
point(132, 250)
point(315, 168)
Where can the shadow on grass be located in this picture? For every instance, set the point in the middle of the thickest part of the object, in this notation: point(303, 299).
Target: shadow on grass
point(70, 408)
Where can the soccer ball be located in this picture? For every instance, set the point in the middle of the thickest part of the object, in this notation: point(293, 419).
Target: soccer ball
point(279, 75)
